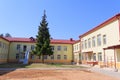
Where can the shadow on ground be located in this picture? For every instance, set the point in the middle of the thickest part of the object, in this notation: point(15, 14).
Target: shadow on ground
point(9, 67)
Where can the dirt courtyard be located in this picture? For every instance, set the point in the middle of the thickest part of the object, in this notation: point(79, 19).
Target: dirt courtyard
point(53, 75)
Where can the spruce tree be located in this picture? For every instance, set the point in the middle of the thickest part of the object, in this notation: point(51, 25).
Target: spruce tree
point(43, 39)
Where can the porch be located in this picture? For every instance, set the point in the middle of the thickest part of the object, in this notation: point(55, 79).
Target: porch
point(113, 61)
point(89, 58)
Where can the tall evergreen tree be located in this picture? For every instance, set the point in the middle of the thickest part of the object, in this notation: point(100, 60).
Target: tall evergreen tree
point(43, 39)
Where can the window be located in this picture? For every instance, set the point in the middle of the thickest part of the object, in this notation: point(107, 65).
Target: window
point(52, 56)
point(82, 45)
point(59, 48)
point(89, 43)
point(18, 46)
point(6, 46)
point(65, 56)
point(58, 57)
point(39, 57)
point(45, 56)
point(17, 56)
point(24, 48)
point(93, 41)
point(32, 47)
point(104, 39)
point(99, 56)
point(99, 40)
point(32, 56)
point(3, 45)
point(65, 48)
point(94, 56)
point(53, 48)
point(85, 43)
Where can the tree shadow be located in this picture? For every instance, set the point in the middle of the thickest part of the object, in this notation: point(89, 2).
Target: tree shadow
point(9, 67)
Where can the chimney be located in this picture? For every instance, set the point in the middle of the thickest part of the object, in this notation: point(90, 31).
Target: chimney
point(71, 39)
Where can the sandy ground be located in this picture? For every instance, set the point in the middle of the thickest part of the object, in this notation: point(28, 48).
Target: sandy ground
point(53, 75)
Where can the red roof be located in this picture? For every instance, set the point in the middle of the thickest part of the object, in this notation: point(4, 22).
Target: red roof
point(14, 39)
point(4, 38)
point(30, 40)
point(58, 41)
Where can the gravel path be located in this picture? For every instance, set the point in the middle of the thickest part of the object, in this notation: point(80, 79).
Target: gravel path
point(106, 71)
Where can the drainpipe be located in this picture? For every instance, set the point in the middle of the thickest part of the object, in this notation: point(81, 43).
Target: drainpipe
point(72, 55)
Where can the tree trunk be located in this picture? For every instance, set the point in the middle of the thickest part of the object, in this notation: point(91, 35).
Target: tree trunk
point(43, 59)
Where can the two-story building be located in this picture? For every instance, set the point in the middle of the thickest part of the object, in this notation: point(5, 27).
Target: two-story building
point(4, 49)
point(14, 49)
point(101, 45)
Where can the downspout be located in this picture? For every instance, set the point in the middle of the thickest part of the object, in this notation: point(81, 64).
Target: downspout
point(80, 57)
point(72, 55)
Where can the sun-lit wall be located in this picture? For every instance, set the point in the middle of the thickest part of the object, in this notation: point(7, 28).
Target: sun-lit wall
point(95, 41)
point(62, 54)
point(17, 48)
point(76, 51)
point(4, 48)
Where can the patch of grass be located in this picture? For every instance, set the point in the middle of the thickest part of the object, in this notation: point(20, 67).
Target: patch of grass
point(37, 65)
point(13, 65)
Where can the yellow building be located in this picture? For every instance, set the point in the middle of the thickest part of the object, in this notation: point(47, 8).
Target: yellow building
point(4, 48)
point(101, 45)
point(16, 47)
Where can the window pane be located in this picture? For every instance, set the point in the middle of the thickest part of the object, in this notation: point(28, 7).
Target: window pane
point(18, 46)
point(65, 56)
point(99, 40)
point(94, 56)
point(32, 47)
point(93, 41)
point(24, 48)
point(85, 43)
point(53, 48)
point(104, 39)
point(89, 43)
point(59, 48)
point(52, 56)
point(45, 56)
point(32, 56)
point(58, 57)
point(99, 56)
point(17, 56)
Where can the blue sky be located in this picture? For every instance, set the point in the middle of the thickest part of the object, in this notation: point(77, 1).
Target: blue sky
point(66, 18)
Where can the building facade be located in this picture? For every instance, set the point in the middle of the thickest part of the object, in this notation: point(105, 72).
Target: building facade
point(14, 49)
point(4, 49)
point(76, 52)
point(101, 45)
